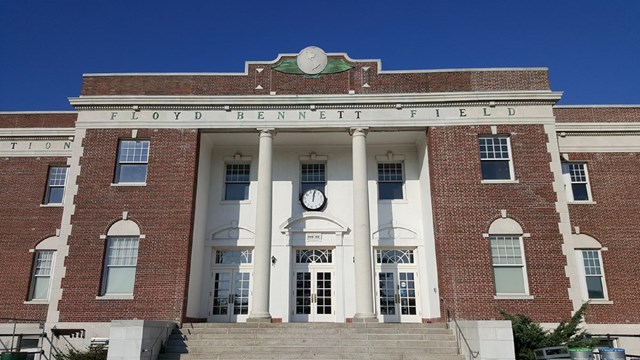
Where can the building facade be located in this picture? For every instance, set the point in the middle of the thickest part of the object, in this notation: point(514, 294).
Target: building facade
point(318, 188)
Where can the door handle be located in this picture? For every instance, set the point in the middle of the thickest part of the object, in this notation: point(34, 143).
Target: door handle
point(397, 296)
point(230, 298)
point(313, 298)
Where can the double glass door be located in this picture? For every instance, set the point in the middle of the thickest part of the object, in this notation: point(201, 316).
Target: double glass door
point(230, 288)
point(397, 286)
point(313, 286)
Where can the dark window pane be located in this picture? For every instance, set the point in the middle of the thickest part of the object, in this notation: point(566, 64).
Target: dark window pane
point(55, 195)
point(389, 190)
point(495, 170)
point(580, 192)
point(594, 287)
point(236, 191)
point(130, 173)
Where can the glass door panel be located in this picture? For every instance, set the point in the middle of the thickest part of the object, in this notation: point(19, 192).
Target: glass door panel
point(230, 296)
point(313, 296)
point(397, 296)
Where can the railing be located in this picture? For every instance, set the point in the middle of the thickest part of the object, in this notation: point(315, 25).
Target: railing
point(42, 337)
point(166, 336)
point(460, 334)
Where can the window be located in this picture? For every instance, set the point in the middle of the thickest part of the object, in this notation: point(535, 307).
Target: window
point(577, 181)
point(40, 283)
point(495, 158)
point(390, 181)
point(312, 176)
point(133, 158)
point(394, 256)
point(236, 182)
point(508, 265)
point(594, 278)
point(55, 185)
point(120, 265)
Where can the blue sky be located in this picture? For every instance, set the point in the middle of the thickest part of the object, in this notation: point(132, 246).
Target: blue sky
point(592, 48)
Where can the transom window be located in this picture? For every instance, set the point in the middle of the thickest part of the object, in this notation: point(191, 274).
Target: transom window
point(40, 284)
point(56, 182)
point(312, 176)
point(390, 181)
point(133, 158)
point(233, 257)
point(307, 256)
point(578, 179)
point(394, 256)
point(593, 274)
point(120, 265)
point(495, 158)
point(237, 181)
point(508, 264)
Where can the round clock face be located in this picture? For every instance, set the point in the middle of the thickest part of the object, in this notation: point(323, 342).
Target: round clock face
point(313, 199)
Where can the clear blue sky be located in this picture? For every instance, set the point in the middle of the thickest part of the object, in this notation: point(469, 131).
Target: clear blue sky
point(592, 48)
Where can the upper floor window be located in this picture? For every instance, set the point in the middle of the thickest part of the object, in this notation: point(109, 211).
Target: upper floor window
point(41, 280)
point(495, 158)
point(390, 181)
point(133, 159)
point(313, 176)
point(593, 274)
point(236, 182)
point(55, 185)
point(509, 272)
point(577, 179)
point(120, 265)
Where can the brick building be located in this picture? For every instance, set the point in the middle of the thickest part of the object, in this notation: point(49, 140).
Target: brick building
point(318, 188)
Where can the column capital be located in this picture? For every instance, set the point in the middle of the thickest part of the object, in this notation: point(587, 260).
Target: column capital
point(266, 131)
point(358, 131)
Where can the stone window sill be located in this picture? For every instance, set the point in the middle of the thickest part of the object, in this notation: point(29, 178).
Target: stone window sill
point(115, 297)
point(513, 297)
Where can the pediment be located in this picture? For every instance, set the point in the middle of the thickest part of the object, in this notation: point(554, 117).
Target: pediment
point(395, 232)
point(232, 232)
point(313, 222)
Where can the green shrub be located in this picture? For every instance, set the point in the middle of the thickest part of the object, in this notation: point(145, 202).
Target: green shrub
point(529, 335)
point(93, 353)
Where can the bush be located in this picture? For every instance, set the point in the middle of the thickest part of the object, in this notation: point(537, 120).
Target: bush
point(529, 335)
point(93, 353)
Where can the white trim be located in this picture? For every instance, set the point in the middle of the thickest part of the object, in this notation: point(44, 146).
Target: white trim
point(246, 100)
point(34, 131)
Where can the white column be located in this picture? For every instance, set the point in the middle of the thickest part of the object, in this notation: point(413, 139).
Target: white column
point(262, 251)
point(365, 311)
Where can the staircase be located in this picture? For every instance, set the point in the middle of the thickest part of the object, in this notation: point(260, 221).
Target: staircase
point(358, 341)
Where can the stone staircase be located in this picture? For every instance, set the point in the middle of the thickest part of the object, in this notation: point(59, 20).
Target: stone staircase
point(358, 341)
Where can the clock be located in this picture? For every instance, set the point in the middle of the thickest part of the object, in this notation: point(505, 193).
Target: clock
point(313, 200)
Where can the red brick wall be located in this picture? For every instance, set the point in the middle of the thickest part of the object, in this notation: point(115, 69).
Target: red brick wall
point(614, 221)
point(341, 83)
point(598, 114)
point(163, 210)
point(37, 120)
point(463, 209)
point(23, 224)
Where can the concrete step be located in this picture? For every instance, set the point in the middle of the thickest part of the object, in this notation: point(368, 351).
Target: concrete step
point(320, 341)
point(307, 356)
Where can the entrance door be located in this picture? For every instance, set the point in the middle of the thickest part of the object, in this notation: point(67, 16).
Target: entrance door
point(313, 290)
point(397, 286)
point(230, 286)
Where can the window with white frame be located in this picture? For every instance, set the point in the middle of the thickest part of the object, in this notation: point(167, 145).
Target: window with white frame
point(390, 180)
point(236, 181)
point(56, 182)
point(41, 280)
point(495, 158)
point(509, 273)
point(593, 274)
point(121, 259)
point(133, 160)
point(577, 181)
point(312, 176)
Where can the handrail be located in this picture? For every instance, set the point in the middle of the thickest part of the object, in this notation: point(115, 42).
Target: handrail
point(474, 354)
point(150, 349)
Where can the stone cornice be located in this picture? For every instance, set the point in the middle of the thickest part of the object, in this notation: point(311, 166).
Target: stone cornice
point(317, 101)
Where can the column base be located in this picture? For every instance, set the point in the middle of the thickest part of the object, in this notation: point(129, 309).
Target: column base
point(365, 318)
point(259, 319)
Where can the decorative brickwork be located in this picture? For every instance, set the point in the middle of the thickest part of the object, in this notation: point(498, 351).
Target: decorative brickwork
point(163, 210)
point(23, 224)
point(464, 207)
point(614, 220)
